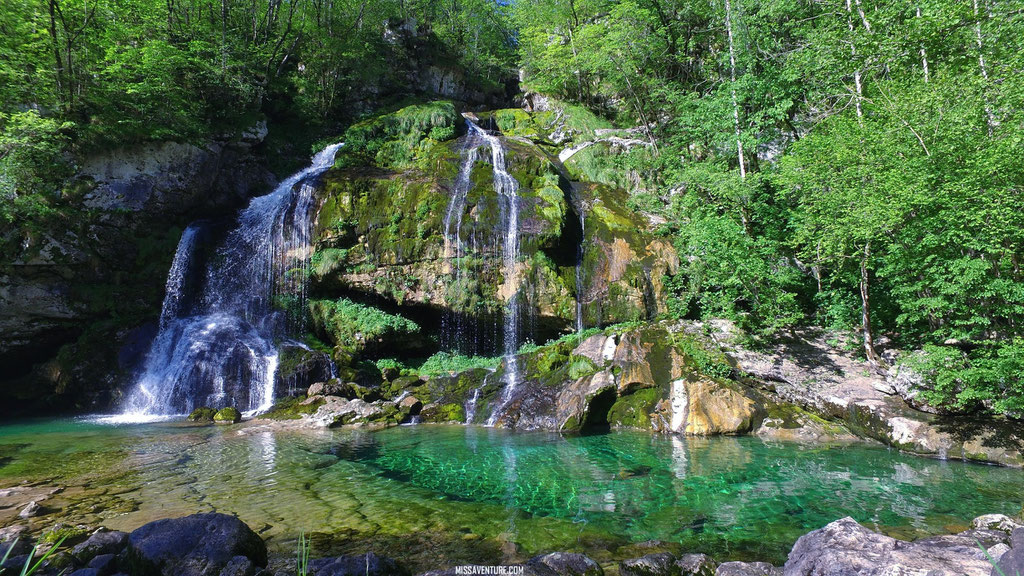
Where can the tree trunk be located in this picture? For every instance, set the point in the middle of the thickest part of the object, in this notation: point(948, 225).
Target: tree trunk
point(924, 54)
point(859, 95)
point(57, 60)
point(869, 341)
point(735, 103)
point(991, 118)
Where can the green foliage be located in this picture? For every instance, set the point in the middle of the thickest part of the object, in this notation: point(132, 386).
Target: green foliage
point(395, 140)
point(29, 567)
point(305, 546)
point(857, 170)
point(151, 70)
point(448, 363)
point(353, 326)
point(32, 164)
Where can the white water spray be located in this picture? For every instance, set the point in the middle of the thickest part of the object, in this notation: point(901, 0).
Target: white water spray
point(216, 347)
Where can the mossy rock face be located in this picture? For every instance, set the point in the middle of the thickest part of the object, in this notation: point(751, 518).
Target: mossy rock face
point(392, 230)
point(298, 367)
point(227, 415)
point(202, 414)
point(400, 138)
point(623, 266)
point(441, 413)
point(292, 408)
point(634, 410)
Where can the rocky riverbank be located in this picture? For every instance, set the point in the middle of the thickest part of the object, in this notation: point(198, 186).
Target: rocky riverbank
point(687, 378)
point(216, 544)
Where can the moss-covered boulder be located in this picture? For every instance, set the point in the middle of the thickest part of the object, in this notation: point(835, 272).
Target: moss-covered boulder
point(411, 219)
point(298, 367)
point(202, 414)
point(293, 408)
point(227, 415)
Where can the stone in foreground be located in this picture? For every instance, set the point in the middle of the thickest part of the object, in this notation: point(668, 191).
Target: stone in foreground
point(566, 564)
point(747, 569)
point(657, 564)
point(197, 545)
point(368, 564)
point(845, 548)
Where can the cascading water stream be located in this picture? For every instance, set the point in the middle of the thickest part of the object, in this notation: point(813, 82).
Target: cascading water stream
point(580, 253)
point(453, 331)
point(216, 347)
point(506, 188)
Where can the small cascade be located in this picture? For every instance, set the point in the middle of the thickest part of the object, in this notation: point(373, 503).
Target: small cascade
point(580, 279)
point(474, 399)
point(217, 347)
point(453, 330)
point(174, 289)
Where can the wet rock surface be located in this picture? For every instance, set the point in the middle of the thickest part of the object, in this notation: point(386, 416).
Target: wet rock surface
point(368, 564)
point(197, 545)
point(844, 547)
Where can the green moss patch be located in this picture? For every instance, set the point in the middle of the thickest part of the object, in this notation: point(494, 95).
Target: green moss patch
point(634, 410)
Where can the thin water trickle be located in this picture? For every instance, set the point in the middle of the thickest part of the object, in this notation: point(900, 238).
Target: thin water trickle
point(580, 289)
point(453, 329)
point(219, 350)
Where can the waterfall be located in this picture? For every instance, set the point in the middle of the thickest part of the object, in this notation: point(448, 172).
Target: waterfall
point(506, 187)
point(173, 290)
point(453, 329)
point(580, 253)
point(217, 347)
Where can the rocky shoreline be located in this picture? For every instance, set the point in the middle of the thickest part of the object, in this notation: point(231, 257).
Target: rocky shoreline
point(215, 544)
point(685, 378)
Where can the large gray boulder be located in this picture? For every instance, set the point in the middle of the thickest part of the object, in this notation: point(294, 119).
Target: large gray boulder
point(197, 545)
point(695, 565)
point(1012, 562)
point(845, 548)
point(100, 543)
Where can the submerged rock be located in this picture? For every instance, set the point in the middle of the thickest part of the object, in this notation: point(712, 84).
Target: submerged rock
point(368, 564)
point(656, 564)
point(566, 564)
point(202, 414)
point(227, 415)
point(845, 548)
point(197, 545)
point(31, 510)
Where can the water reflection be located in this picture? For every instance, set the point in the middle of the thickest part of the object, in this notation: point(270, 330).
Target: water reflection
point(540, 490)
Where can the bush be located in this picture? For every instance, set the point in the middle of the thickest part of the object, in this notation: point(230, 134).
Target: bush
point(32, 163)
point(448, 362)
point(988, 376)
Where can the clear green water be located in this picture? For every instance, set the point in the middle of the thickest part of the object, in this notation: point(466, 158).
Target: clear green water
point(456, 493)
